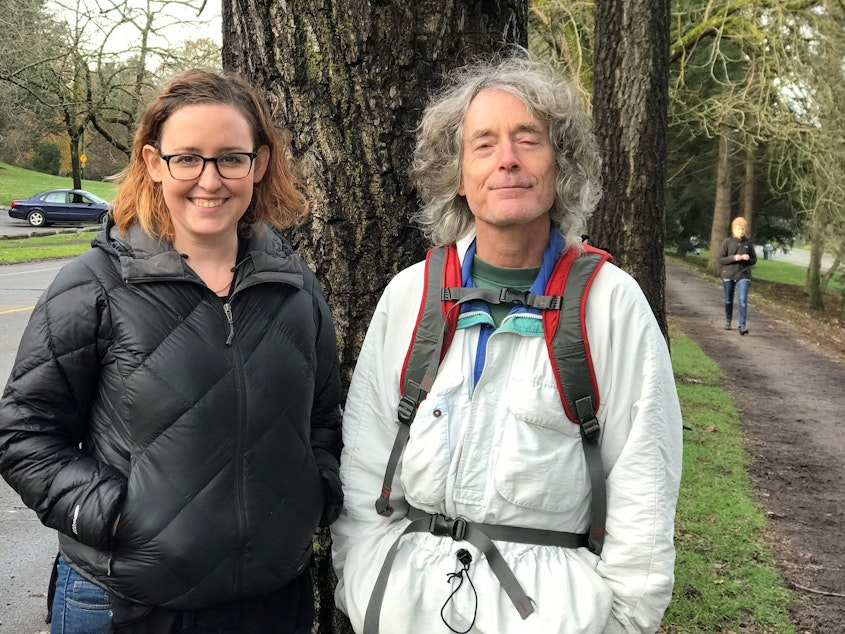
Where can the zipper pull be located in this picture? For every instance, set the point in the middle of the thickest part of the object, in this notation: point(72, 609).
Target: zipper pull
point(227, 308)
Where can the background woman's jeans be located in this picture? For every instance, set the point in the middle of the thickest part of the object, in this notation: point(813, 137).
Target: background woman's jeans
point(79, 607)
point(742, 299)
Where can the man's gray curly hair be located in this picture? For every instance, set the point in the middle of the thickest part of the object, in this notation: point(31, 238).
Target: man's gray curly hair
point(436, 171)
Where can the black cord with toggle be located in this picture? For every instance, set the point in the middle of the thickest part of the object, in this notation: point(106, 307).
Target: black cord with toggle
point(465, 559)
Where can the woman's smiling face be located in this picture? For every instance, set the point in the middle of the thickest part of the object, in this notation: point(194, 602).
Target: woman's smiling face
point(207, 207)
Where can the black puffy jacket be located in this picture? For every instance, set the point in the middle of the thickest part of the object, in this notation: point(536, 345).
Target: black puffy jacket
point(212, 428)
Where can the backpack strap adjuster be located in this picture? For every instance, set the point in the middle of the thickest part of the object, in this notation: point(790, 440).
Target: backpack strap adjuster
point(407, 409)
point(590, 429)
point(383, 507)
point(513, 296)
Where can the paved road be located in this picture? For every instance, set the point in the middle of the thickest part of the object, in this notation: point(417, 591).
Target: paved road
point(26, 548)
point(12, 228)
point(797, 256)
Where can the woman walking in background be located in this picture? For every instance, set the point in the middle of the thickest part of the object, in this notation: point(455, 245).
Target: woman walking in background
point(737, 256)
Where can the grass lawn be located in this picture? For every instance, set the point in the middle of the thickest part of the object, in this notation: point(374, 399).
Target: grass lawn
point(18, 183)
point(63, 245)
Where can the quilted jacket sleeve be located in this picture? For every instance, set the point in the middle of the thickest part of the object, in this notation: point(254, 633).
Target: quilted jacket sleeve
point(326, 442)
point(44, 412)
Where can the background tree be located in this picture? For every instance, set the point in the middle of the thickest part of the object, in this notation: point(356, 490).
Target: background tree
point(91, 67)
point(33, 41)
point(772, 63)
point(748, 68)
point(630, 101)
point(124, 82)
point(48, 158)
point(722, 206)
point(825, 208)
point(350, 80)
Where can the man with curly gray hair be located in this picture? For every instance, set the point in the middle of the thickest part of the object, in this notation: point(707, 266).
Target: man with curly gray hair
point(495, 493)
point(445, 216)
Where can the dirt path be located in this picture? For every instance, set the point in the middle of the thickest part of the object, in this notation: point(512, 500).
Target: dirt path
point(792, 404)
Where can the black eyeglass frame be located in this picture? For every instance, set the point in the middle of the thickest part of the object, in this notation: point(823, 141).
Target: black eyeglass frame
point(166, 158)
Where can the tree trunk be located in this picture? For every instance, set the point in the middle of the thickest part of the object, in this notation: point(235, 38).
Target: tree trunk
point(75, 163)
point(830, 273)
point(748, 185)
point(817, 242)
point(720, 228)
point(630, 101)
point(349, 79)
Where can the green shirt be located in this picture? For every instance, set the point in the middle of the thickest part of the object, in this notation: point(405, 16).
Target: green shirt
point(486, 275)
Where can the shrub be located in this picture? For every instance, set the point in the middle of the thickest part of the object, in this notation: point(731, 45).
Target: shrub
point(48, 158)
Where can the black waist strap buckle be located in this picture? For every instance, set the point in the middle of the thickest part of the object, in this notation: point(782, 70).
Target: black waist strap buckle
point(443, 526)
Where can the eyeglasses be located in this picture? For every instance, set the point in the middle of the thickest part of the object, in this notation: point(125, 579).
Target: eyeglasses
point(187, 167)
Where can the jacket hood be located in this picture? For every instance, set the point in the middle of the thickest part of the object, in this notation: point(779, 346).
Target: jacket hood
point(267, 256)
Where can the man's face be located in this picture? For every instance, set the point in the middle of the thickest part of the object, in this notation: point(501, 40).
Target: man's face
point(738, 230)
point(508, 169)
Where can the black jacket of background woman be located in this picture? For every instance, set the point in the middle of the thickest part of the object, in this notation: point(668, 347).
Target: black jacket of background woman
point(733, 269)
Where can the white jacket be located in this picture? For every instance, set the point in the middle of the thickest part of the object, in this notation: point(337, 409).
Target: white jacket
point(503, 452)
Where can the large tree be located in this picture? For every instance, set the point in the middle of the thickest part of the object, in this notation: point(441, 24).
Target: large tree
point(630, 101)
point(349, 79)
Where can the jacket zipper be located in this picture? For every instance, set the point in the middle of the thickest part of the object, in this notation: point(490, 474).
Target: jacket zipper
point(240, 441)
point(230, 319)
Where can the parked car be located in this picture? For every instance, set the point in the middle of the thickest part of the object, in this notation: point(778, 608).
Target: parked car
point(60, 205)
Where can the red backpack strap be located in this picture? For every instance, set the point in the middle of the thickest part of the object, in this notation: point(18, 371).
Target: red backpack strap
point(442, 270)
point(432, 335)
point(565, 332)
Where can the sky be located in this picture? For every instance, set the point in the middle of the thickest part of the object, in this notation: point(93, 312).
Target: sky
point(183, 23)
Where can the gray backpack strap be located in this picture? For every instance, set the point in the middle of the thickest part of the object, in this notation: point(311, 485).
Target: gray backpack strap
point(432, 336)
point(481, 536)
point(566, 337)
point(432, 330)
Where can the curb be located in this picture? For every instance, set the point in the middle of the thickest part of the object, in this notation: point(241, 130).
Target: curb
point(48, 232)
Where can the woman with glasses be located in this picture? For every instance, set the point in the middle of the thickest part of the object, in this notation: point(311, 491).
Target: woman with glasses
point(173, 409)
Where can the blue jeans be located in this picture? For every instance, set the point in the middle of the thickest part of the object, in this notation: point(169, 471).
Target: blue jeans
point(79, 607)
point(83, 607)
point(742, 299)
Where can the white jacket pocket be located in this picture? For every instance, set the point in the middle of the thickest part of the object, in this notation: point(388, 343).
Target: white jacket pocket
point(540, 463)
point(425, 463)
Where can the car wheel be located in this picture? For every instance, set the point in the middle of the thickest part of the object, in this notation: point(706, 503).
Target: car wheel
point(103, 217)
point(36, 218)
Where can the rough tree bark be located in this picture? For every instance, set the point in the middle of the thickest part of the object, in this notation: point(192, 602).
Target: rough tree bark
point(630, 103)
point(349, 79)
point(749, 188)
point(720, 229)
